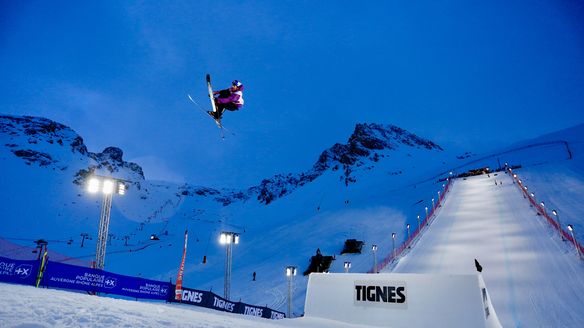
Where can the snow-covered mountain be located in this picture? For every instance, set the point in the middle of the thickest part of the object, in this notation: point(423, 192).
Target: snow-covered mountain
point(366, 188)
point(46, 165)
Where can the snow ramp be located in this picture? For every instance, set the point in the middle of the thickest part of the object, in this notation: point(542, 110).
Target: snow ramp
point(401, 300)
point(534, 278)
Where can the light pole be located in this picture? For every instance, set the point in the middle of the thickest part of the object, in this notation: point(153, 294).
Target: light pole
point(433, 206)
point(347, 266)
point(555, 213)
point(228, 239)
point(108, 186)
point(374, 250)
point(419, 227)
point(426, 215)
point(542, 204)
point(393, 244)
point(290, 273)
point(571, 229)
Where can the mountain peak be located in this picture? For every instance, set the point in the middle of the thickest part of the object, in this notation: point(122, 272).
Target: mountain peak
point(369, 142)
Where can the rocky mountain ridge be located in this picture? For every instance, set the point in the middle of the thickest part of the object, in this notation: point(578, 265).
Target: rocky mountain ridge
point(33, 140)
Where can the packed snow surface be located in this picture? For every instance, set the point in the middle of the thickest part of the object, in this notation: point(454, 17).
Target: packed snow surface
point(534, 279)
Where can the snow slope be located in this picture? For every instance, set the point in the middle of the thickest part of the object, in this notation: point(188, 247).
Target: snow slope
point(534, 279)
point(28, 307)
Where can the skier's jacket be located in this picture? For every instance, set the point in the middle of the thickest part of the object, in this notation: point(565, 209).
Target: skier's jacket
point(235, 97)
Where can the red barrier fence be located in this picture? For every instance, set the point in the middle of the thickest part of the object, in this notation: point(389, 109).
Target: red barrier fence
point(541, 210)
point(424, 223)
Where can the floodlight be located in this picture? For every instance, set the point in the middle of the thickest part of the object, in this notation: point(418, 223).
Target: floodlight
point(93, 185)
point(121, 188)
point(554, 213)
point(108, 186)
point(223, 238)
point(570, 228)
point(290, 271)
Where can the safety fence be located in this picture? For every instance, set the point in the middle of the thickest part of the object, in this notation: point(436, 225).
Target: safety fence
point(71, 277)
point(430, 215)
point(541, 210)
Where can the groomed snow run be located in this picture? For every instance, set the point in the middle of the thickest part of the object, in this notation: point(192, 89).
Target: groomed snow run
point(534, 279)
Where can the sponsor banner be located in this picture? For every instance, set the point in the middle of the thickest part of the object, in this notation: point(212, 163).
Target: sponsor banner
point(221, 304)
point(258, 311)
point(251, 310)
point(194, 297)
point(212, 301)
point(181, 269)
point(273, 314)
point(67, 276)
point(18, 272)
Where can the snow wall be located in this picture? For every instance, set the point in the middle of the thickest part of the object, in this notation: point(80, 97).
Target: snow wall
point(401, 300)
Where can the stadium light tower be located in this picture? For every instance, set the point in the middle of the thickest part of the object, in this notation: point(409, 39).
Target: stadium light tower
point(228, 239)
point(107, 186)
point(290, 273)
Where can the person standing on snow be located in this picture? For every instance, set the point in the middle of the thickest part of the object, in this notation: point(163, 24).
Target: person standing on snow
point(228, 99)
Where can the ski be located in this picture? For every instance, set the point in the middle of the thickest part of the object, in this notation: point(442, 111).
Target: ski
point(218, 123)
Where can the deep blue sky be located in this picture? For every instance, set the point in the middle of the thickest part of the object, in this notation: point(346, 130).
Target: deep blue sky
point(470, 75)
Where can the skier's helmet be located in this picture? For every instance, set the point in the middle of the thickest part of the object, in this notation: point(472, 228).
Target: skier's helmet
point(237, 83)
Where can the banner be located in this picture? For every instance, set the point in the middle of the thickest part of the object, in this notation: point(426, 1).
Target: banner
point(18, 272)
point(72, 277)
point(212, 301)
point(181, 270)
point(66, 276)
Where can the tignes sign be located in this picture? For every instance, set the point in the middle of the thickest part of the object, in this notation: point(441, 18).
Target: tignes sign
point(390, 294)
point(401, 300)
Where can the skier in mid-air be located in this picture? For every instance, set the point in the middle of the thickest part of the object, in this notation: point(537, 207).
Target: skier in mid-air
point(228, 99)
